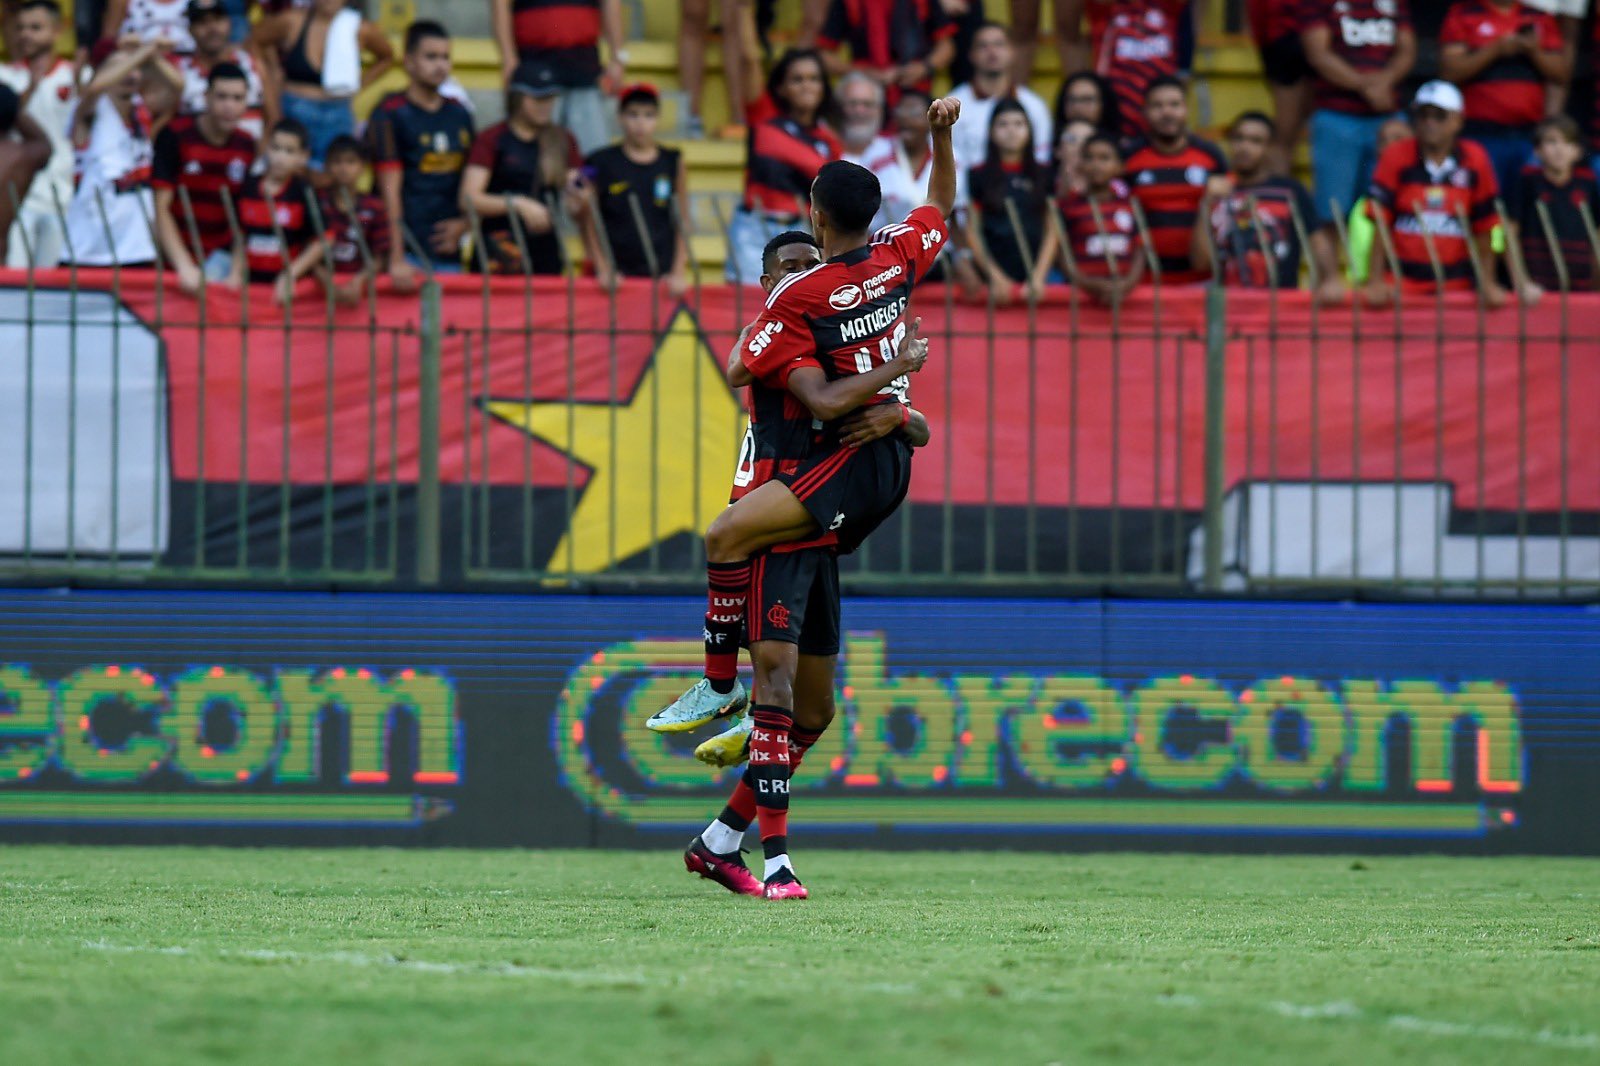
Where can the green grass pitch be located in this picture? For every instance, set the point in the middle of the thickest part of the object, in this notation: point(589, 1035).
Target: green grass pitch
point(175, 955)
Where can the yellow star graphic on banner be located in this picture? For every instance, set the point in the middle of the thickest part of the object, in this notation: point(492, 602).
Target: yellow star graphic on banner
point(660, 459)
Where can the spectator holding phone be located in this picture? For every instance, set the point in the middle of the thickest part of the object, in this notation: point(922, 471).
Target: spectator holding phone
point(1507, 58)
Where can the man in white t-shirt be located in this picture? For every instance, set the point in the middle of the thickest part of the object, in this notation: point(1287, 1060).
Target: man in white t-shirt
point(209, 25)
point(992, 57)
point(861, 125)
point(45, 82)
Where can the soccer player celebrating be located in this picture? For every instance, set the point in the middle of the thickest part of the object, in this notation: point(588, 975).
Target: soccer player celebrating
point(831, 336)
point(780, 434)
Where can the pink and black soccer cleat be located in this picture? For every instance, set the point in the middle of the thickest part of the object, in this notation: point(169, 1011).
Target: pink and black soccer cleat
point(784, 885)
point(729, 871)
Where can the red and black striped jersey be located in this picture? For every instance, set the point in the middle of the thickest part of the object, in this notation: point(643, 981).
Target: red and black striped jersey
point(781, 434)
point(563, 33)
point(265, 253)
point(1139, 45)
point(366, 218)
point(1563, 204)
point(1101, 232)
point(1169, 188)
point(1363, 33)
point(886, 33)
point(847, 315)
point(783, 158)
point(1423, 202)
point(1507, 96)
point(1257, 242)
point(186, 159)
point(1271, 20)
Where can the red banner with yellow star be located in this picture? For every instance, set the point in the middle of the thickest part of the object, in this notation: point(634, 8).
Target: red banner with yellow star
point(584, 432)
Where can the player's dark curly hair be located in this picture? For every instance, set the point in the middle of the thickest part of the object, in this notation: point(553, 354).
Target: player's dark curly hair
point(848, 194)
point(769, 254)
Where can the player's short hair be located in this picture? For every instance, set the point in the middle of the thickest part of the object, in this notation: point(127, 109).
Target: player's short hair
point(41, 5)
point(1166, 81)
point(345, 144)
point(1105, 139)
point(292, 127)
point(848, 194)
point(1254, 116)
point(424, 30)
point(226, 72)
point(769, 254)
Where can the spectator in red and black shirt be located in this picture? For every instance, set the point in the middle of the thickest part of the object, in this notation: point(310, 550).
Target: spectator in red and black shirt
point(203, 155)
point(1505, 57)
point(357, 228)
point(1436, 189)
point(1360, 50)
point(1168, 173)
point(1562, 184)
point(523, 164)
point(1107, 253)
point(1275, 25)
point(1137, 48)
point(279, 243)
point(898, 44)
point(565, 36)
point(784, 156)
point(419, 139)
point(1251, 220)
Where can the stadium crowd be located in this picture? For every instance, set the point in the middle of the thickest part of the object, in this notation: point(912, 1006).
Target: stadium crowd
point(222, 144)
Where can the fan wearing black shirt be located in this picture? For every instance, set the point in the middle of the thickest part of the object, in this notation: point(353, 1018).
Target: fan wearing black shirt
point(639, 193)
point(1561, 183)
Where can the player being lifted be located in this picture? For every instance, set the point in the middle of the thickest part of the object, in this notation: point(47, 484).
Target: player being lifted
point(830, 336)
point(780, 435)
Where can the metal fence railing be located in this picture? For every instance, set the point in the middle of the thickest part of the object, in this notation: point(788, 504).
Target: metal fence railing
point(507, 427)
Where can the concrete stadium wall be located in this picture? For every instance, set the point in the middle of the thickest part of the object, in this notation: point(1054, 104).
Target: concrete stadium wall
point(500, 720)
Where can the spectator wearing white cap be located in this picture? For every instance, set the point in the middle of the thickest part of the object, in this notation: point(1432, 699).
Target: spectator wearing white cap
point(1436, 192)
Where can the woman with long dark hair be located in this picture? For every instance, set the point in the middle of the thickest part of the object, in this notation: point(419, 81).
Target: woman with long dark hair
point(1009, 193)
point(787, 146)
point(1087, 97)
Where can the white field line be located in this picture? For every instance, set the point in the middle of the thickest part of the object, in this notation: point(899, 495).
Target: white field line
point(1341, 1011)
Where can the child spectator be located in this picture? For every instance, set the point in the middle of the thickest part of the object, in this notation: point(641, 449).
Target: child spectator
point(1138, 47)
point(784, 155)
point(203, 155)
point(209, 25)
point(133, 91)
point(1505, 57)
point(1247, 225)
point(48, 86)
point(420, 138)
point(640, 192)
point(279, 242)
point(1087, 97)
point(1360, 51)
point(1168, 173)
point(356, 228)
point(899, 45)
point(313, 54)
point(1107, 254)
point(564, 35)
point(521, 165)
point(1011, 177)
point(992, 59)
point(1563, 186)
point(1069, 156)
point(1422, 189)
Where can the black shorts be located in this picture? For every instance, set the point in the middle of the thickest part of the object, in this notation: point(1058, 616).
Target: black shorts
point(1284, 61)
point(851, 491)
point(794, 597)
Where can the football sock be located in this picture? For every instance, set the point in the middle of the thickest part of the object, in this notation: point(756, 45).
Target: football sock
point(800, 742)
point(723, 838)
point(769, 775)
point(775, 863)
point(741, 808)
point(727, 589)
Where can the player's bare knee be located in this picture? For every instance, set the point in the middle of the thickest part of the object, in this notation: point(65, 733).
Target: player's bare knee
point(723, 541)
point(814, 715)
point(774, 673)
